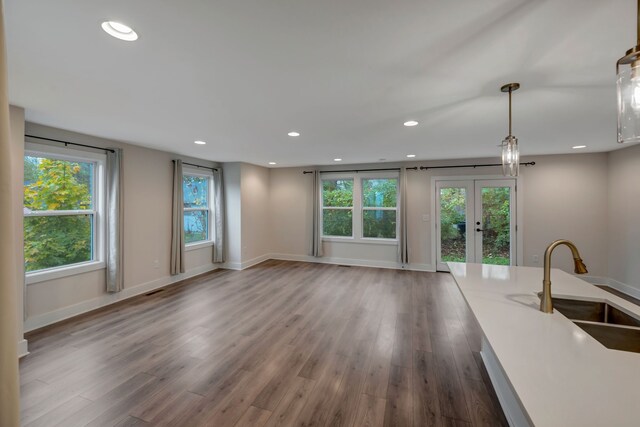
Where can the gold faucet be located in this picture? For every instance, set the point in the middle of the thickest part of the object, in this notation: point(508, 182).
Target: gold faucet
point(546, 303)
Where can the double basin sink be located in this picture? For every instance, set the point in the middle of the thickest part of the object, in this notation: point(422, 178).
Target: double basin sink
point(611, 326)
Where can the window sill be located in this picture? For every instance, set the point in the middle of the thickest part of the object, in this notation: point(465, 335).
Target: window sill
point(363, 241)
point(198, 245)
point(60, 272)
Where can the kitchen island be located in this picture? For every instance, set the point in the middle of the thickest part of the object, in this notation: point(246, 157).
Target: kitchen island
point(546, 370)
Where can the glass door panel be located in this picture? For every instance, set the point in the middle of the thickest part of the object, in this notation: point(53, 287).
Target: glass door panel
point(454, 210)
point(493, 218)
point(475, 222)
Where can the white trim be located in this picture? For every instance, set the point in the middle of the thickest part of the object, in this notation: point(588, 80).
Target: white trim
point(353, 262)
point(198, 245)
point(63, 271)
point(97, 212)
point(357, 209)
point(23, 348)
point(361, 241)
point(511, 406)
point(255, 261)
point(52, 317)
point(632, 291)
point(519, 211)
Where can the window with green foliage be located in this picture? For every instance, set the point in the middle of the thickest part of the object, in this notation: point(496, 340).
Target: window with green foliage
point(197, 211)
point(379, 208)
point(337, 207)
point(59, 211)
point(360, 207)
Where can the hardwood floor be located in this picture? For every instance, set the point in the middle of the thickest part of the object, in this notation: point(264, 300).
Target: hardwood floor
point(280, 344)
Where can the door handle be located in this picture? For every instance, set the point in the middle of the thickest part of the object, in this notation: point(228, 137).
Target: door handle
point(479, 229)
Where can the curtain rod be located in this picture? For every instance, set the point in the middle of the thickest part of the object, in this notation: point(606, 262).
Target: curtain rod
point(424, 168)
point(200, 167)
point(71, 143)
point(355, 170)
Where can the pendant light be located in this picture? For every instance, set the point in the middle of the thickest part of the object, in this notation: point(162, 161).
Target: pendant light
point(510, 151)
point(628, 85)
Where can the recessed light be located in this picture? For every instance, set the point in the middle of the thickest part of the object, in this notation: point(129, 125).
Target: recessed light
point(337, 160)
point(411, 123)
point(199, 142)
point(575, 147)
point(294, 133)
point(119, 31)
point(411, 155)
point(272, 163)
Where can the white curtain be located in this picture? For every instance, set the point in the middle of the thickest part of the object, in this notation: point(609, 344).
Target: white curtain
point(403, 245)
point(176, 264)
point(115, 223)
point(9, 388)
point(316, 232)
point(219, 208)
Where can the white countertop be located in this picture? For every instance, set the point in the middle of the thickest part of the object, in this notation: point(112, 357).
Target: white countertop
point(561, 375)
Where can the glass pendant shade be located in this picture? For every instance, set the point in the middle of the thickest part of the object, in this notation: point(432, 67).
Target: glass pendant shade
point(510, 156)
point(628, 85)
point(510, 150)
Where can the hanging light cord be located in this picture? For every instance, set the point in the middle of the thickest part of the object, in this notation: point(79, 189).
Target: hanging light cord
point(638, 23)
point(510, 108)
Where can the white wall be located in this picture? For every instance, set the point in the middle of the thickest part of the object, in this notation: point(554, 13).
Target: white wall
point(233, 214)
point(16, 123)
point(624, 206)
point(564, 197)
point(256, 236)
point(147, 236)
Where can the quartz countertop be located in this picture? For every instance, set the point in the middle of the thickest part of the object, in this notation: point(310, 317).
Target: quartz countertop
point(560, 374)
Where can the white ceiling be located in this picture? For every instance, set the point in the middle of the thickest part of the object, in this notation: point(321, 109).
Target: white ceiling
point(346, 74)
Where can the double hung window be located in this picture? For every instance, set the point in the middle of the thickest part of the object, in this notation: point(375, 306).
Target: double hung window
point(196, 189)
point(63, 210)
point(360, 208)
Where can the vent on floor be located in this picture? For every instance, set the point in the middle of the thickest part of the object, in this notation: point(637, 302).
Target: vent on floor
point(344, 266)
point(154, 292)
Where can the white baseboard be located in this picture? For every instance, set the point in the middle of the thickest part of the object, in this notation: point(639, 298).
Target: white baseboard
point(52, 317)
point(353, 262)
point(255, 261)
point(23, 348)
point(632, 291)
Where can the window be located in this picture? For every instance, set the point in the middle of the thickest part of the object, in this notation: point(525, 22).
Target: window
point(360, 208)
point(196, 189)
point(337, 207)
point(62, 202)
point(379, 208)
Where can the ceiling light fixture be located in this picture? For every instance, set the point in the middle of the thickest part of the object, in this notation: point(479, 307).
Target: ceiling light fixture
point(199, 142)
point(510, 151)
point(272, 163)
point(411, 123)
point(575, 147)
point(411, 155)
point(628, 85)
point(119, 31)
point(337, 160)
point(294, 133)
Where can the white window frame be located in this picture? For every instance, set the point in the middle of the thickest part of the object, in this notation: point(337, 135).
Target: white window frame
point(357, 235)
point(187, 171)
point(98, 211)
point(395, 176)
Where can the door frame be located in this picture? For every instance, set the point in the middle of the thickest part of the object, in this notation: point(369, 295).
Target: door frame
point(519, 209)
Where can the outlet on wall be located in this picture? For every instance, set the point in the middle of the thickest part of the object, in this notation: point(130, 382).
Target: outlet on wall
point(156, 263)
point(535, 259)
point(426, 218)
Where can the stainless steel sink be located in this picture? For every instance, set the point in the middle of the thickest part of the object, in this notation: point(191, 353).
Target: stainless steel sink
point(611, 326)
point(593, 311)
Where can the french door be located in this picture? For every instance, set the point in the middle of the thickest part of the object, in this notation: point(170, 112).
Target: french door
point(475, 221)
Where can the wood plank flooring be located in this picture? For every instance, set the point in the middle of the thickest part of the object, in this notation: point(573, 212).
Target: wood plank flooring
point(280, 344)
